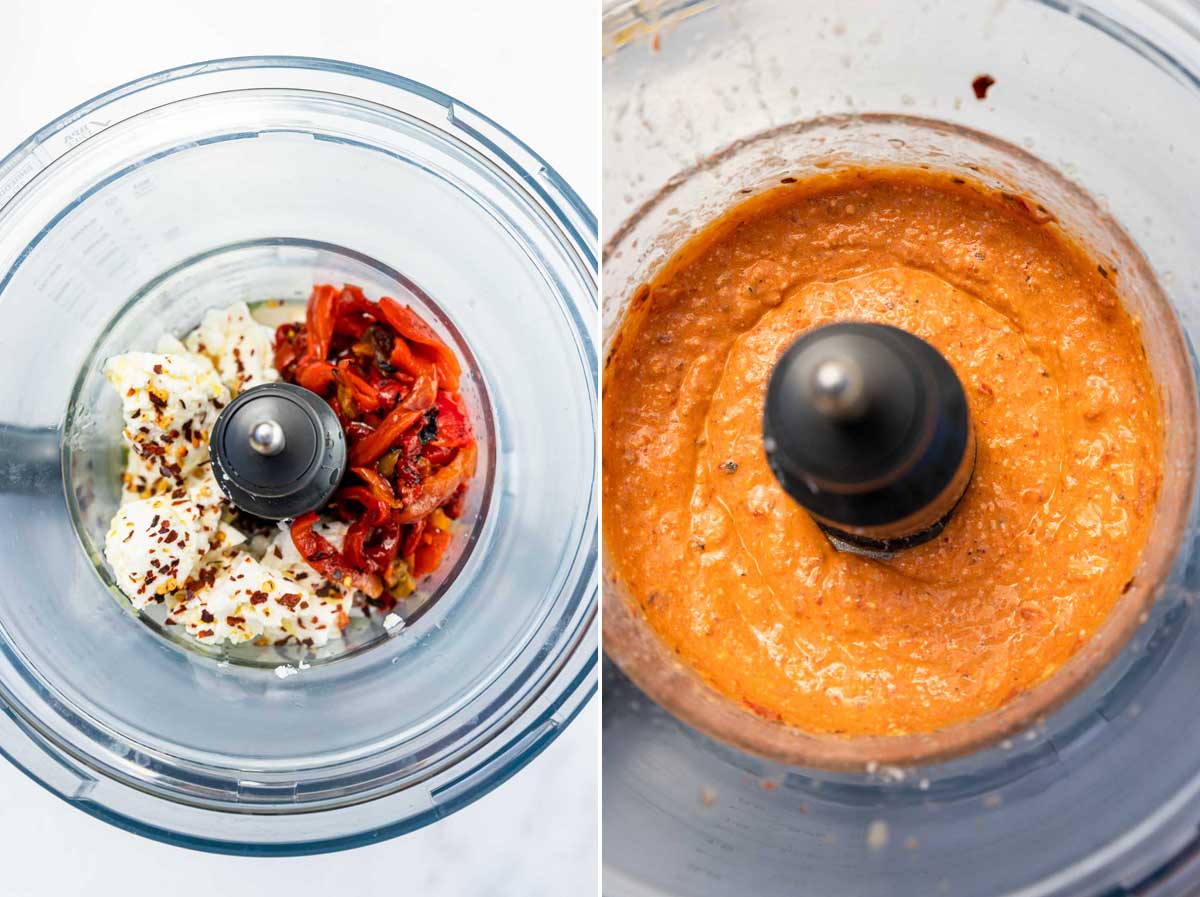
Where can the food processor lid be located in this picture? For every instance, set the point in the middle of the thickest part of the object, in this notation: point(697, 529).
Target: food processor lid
point(301, 754)
point(278, 451)
point(866, 425)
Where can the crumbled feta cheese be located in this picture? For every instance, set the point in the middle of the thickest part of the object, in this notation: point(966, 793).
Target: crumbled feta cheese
point(237, 599)
point(169, 404)
point(239, 347)
point(392, 621)
point(171, 540)
point(155, 544)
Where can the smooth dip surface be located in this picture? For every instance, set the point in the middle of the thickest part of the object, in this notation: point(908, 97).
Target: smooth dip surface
point(738, 579)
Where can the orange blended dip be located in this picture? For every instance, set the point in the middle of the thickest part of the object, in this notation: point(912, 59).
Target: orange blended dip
point(741, 582)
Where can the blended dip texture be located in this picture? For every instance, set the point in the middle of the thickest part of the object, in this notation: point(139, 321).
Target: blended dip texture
point(739, 580)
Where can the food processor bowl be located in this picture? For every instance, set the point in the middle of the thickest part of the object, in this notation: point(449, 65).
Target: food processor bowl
point(708, 102)
point(252, 180)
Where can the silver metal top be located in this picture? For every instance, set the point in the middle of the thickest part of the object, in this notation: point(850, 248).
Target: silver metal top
point(267, 438)
point(837, 388)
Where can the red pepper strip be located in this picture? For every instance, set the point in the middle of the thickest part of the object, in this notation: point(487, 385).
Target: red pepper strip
point(454, 507)
point(320, 554)
point(319, 319)
point(440, 487)
point(285, 355)
point(402, 357)
point(412, 538)
point(380, 487)
point(352, 301)
point(290, 345)
point(355, 544)
point(408, 324)
point(389, 391)
point(374, 446)
point(353, 326)
point(438, 455)
point(423, 394)
point(315, 375)
point(375, 512)
point(453, 427)
point(382, 553)
point(429, 552)
point(366, 397)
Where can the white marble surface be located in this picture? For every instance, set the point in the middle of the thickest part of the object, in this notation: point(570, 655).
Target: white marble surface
point(533, 65)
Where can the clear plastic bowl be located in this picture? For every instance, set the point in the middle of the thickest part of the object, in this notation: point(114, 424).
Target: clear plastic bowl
point(250, 179)
point(707, 101)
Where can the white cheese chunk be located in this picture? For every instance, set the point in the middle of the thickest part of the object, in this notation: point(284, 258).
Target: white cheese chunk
point(240, 348)
point(170, 404)
point(154, 545)
point(237, 599)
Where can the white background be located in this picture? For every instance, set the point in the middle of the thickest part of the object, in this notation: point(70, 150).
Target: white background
point(533, 66)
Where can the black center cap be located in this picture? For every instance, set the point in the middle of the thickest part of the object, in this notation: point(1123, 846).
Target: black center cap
point(278, 451)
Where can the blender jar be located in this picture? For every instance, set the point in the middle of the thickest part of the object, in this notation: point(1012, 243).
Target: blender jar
point(247, 180)
point(706, 102)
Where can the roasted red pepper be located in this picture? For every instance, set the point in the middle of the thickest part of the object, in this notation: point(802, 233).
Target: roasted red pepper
point(320, 554)
point(441, 486)
point(402, 358)
point(320, 322)
point(429, 553)
point(453, 427)
point(315, 375)
point(409, 325)
point(374, 511)
point(379, 485)
point(366, 397)
point(371, 448)
point(393, 383)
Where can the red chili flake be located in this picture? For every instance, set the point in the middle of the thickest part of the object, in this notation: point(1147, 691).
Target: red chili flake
point(171, 537)
point(158, 369)
point(258, 598)
point(235, 621)
point(204, 633)
point(289, 600)
point(206, 617)
point(981, 85)
point(154, 522)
